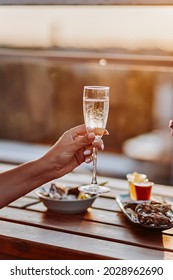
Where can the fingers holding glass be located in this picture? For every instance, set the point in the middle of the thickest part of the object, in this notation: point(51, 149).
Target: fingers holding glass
point(88, 152)
point(171, 126)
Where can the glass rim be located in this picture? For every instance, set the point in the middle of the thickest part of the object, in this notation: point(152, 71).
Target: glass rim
point(130, 175)
point(144, 184)
point(97, 87)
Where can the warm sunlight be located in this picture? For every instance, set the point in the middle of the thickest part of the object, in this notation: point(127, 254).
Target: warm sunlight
point(124, 27)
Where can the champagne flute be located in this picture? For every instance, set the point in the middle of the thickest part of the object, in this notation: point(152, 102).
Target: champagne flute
point(95, 109)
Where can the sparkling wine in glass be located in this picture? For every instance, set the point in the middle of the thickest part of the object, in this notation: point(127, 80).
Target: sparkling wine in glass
point(95, 109)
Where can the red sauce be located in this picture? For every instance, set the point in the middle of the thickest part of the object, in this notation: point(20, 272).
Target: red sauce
point(143, 190)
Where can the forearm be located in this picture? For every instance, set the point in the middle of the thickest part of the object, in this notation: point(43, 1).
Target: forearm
point(23, 179)
point(63, 157)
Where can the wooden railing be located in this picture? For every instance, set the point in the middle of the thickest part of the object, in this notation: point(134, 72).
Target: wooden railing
point(159, 62)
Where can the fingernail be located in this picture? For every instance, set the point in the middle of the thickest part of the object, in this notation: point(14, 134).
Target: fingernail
point(87, 160)
point(106, 132)
point(91, 135)
point(87, 152)
point(102, 147)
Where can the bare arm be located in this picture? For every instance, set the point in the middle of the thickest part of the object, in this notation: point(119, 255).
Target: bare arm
point(73, 148)
point(23, 179)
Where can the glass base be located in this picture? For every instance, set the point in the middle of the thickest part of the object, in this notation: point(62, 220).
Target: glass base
point(94, 189)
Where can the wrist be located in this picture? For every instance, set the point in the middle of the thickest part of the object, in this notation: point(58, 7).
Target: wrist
point(45, 169)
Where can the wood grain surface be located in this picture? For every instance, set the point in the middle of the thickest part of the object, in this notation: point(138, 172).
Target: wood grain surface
point(30, 231)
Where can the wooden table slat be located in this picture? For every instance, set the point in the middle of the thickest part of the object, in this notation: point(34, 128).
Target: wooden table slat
point(77, 225)
point(94, 214)
point(38, 243)
point(23, 202)
point(29, 231)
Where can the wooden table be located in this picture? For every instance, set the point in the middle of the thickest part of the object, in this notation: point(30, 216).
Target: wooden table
point(29, 231)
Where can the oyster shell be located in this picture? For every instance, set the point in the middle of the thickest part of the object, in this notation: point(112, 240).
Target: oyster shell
point(59, 192)
point(152, 213)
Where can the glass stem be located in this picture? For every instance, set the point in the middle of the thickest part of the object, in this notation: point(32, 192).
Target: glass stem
point(94, 176)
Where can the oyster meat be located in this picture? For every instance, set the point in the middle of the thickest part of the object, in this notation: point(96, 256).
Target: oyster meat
point(151, 213)
point(59, 192)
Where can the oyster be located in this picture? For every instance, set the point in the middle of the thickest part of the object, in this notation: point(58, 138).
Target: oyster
point(152, 213)
point(59, 192)
point(131, 205)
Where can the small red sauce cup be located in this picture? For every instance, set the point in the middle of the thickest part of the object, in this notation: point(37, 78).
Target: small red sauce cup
point(143, 190)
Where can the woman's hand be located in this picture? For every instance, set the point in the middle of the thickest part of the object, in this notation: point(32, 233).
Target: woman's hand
point(73, 148)
point(171, 126)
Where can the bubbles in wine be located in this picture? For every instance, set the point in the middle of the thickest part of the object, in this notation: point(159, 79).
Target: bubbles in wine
point(95, 114)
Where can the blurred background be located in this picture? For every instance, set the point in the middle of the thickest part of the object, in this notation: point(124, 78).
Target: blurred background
point(47, 55)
